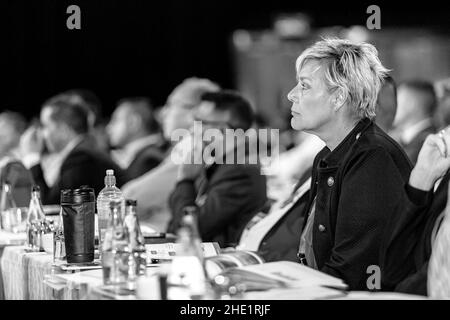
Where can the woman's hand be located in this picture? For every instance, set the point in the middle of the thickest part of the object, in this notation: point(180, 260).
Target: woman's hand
point(433, 161)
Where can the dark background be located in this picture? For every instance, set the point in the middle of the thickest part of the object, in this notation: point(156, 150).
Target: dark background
point(146, 47)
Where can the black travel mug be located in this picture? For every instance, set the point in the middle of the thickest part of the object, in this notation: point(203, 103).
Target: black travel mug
point(78, 208)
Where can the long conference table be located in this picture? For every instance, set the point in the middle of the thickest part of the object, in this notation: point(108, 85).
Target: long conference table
point(33, 276)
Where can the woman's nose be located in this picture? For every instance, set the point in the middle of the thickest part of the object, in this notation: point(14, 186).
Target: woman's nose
point(291, 95)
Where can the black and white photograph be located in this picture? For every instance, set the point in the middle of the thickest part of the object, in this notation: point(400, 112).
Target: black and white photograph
point(234, 157)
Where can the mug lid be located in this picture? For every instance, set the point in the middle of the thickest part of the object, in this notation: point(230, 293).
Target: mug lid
point(74, 196)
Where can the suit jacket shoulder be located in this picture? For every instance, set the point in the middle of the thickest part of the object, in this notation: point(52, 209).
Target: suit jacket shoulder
point(145, 160)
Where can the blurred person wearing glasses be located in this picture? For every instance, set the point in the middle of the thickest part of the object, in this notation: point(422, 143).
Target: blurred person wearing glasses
point(226, 189)
point(152, 190)
point(135, 136)
point(358, 177)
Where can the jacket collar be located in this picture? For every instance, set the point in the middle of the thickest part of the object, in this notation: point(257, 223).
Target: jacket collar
point(333, 158)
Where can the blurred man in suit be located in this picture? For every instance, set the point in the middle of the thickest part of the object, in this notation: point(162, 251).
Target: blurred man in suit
point(134, 132)
point(386, 104)
point(413, 122)
point(152, 190)
point(94, 139)
point(227, 194)
point(64, 128)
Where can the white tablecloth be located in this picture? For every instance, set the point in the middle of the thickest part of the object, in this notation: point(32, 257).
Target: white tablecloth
point(7, 239)
point(24, 276)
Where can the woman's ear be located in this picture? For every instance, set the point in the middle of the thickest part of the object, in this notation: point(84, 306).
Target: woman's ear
point(339, 99)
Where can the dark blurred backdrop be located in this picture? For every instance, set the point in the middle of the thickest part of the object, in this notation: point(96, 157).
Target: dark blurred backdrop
point(144, 47)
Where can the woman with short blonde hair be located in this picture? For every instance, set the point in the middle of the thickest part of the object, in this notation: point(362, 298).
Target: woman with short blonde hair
point(358, 177)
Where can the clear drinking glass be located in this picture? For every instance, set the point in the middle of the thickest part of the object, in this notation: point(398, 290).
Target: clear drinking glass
point(19, 219)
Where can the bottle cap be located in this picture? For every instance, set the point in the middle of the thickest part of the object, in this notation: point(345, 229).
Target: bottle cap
point(114, 204)
point(36, 188)
point(130, 202)
point(110, 179)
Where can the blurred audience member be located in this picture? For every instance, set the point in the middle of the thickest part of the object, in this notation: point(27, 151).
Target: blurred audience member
point(134, 132)
point(413, 122)
point(88, 99)
point(64, 128)
point(12, 171)
point(93, 139)
point(438, 284)
point(442, 114)
point(442, 88)
point(411, 233)
point(152, 190)
point(12, 125)
point(227, 194)
point(386, 104)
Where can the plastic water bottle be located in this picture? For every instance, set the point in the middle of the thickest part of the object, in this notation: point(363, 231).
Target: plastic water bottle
point(36, 221)
point(187, 277)
point(109, 193)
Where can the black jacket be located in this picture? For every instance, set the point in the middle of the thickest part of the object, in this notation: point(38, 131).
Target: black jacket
point(357, 186)
point(83, 166)
point(282, 240)
point(407, 246)
point(145, 160)
point(231, 194)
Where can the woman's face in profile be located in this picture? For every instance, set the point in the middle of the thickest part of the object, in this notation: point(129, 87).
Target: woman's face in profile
point(311, 107)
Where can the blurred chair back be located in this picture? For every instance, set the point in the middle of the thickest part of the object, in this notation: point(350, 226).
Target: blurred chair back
point(20, 180)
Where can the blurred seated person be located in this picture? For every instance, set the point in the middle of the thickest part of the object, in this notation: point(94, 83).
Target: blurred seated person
point(134, 132)
point(413, 121)
point(442, 88)
point(442, 114)
point(12, 125)
point(227, 193)
point(412, 231)
point(152, 190)
point(97, 135)
point(50, 161)
point(438, 282)
point(64, 127)
point(12, 171)
point(386, 104)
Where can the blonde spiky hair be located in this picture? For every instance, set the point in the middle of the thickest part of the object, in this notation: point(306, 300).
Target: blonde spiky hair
point(351, 67)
